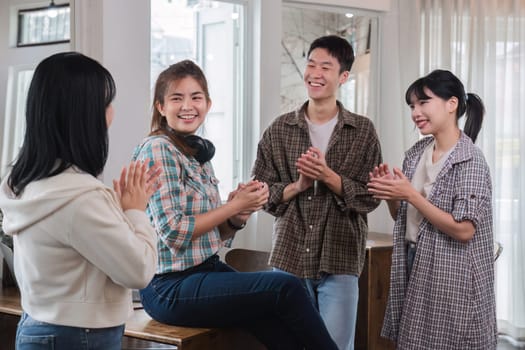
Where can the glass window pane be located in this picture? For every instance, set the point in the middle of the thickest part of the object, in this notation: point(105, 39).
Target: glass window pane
point(303, 25)
point(39, 26)
point(209, 33)
point(15, 124)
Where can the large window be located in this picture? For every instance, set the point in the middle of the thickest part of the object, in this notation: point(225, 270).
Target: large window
point(34, 33)
point(303, 24)
point(210, 33)
point(19, 78)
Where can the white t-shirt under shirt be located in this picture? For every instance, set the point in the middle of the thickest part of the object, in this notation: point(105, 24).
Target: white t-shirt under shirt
point(320, 133)
point(423, 181)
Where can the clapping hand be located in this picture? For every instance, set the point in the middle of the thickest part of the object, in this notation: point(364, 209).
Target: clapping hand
point(389, 185)
point(381, 171)
point(312, 164)
point(136, 184)
point(252, 196)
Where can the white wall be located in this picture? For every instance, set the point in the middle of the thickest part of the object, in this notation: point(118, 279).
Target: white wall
point(126, 53)
point(119, 37)
point(388, 121)
point(267, 105)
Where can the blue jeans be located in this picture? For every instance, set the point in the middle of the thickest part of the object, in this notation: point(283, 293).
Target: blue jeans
point(35, 335)
point(273, 306)
point(336, 297)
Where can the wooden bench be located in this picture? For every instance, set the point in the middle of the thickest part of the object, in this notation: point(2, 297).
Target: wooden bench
point(141, 326)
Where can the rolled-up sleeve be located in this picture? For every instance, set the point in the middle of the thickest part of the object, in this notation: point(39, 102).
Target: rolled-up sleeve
point(355, 191)
point(473, 194)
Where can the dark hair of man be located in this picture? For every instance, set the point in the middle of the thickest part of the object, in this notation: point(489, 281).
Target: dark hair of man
point(65, 119)
point(445, 85)
point(172, 74)
point(337, 47)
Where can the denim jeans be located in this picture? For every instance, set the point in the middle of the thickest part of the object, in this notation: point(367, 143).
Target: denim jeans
point(35, 335)
point(273, 306)
point(336, 297)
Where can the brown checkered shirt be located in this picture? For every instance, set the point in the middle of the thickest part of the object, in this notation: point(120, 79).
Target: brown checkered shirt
point(322, 232)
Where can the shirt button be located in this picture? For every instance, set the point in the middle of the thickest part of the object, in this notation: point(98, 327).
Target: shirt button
point(309, 198)
point(308, 250)
point(311, 226)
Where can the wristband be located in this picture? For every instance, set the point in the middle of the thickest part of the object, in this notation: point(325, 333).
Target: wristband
point(235, 227)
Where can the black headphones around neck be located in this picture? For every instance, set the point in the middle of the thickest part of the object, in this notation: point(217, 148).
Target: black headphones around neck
point(205, 148)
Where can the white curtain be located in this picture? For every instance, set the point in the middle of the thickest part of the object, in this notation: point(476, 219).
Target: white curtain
point(483, 43)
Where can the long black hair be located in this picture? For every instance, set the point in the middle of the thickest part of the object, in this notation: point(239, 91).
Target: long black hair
point(445, 85)
point(65, 119)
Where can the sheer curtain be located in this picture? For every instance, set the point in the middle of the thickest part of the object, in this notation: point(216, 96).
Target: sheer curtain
point(483, 43)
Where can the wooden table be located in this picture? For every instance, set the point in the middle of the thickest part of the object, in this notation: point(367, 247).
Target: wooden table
point(10, 301)
point(141, 326)
point(374, 283)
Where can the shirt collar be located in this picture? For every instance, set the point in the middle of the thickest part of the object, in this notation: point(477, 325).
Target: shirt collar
point(461, 152)
point(297, 118)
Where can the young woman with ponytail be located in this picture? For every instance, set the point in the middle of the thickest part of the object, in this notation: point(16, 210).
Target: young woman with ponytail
point(442, 277)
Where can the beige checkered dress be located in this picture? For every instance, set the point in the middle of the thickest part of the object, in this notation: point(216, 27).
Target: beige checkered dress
point(449, 302)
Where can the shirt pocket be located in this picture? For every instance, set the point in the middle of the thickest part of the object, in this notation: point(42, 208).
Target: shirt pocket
point(202, 185)
point(194, 184)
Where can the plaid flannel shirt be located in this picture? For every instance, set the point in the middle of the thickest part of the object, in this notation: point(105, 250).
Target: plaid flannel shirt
point(316, 233)
point(187, 189)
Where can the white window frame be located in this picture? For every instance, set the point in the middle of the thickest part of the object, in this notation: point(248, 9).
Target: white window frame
point(242, 138)
point(14, 122)
point(27, 10)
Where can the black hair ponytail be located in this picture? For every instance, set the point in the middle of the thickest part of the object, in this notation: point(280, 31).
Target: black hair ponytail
point(446, 85)
point(474, 114)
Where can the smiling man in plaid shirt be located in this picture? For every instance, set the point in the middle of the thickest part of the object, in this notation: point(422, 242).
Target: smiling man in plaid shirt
point(316, 161)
